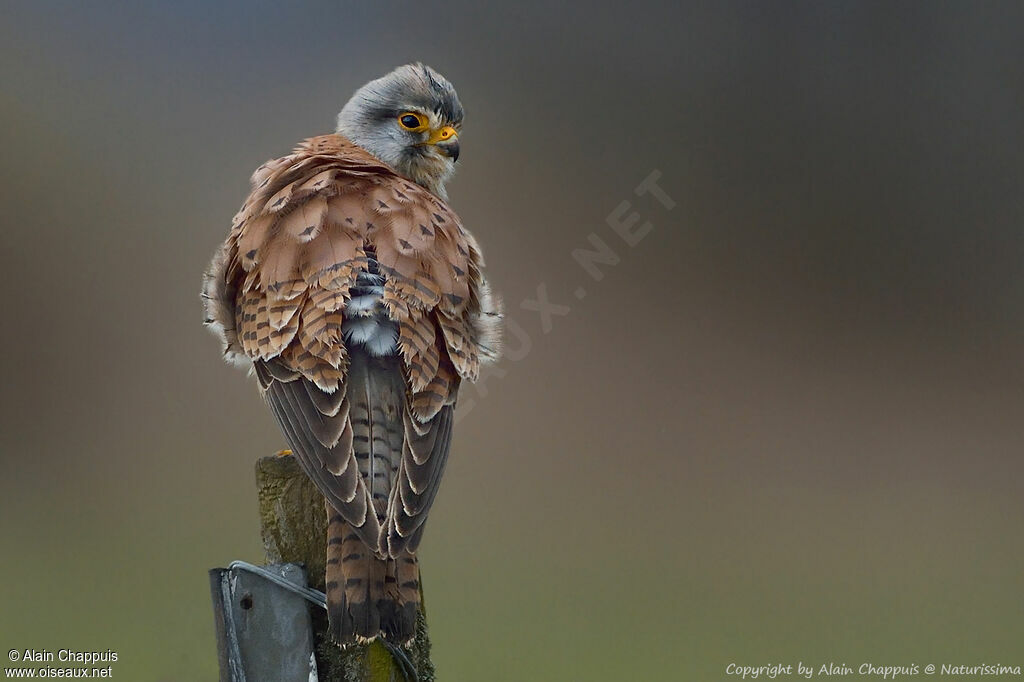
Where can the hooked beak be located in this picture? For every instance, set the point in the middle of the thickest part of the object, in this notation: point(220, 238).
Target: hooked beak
point(446, 140)
point(449, 149)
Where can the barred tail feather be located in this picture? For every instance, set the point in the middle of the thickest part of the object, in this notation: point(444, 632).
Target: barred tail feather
point(402, 599)
point(368, 595)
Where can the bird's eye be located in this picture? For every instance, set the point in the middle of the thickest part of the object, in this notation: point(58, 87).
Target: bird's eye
point(410, 120)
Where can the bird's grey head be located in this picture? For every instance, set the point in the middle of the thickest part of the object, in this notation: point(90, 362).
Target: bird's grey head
point(410, 119)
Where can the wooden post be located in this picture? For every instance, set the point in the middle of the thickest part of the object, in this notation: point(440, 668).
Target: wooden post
point(293, 524)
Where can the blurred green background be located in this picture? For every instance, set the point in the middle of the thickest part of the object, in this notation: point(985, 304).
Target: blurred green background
point(786, 426)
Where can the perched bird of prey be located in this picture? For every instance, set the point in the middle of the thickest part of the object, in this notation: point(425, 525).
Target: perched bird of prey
point(358, 298)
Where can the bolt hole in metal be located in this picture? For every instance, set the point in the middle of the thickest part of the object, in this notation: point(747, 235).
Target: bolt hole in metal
point(246, 602)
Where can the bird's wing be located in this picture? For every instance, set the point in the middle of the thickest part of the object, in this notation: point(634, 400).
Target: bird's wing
point(278, 290)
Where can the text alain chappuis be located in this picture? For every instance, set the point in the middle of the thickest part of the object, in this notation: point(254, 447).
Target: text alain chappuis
point(876, 671)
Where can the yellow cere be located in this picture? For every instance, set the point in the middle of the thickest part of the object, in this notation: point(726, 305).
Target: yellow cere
point(441, 135)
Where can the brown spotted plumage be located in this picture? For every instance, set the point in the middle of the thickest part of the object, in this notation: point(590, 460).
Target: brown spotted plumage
point(297, 245)
point(323, 226)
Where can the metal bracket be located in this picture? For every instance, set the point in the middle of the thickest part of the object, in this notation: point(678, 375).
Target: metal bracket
point(264, 629)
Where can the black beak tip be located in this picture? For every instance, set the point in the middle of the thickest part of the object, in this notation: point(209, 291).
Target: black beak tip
point(451, 149)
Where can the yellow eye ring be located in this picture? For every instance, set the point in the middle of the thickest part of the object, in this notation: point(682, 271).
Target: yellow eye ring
point(413, 121)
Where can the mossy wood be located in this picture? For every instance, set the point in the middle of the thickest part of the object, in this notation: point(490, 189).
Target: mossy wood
point(293, 524)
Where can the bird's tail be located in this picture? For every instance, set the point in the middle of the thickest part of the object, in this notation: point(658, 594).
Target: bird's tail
point(367, 595)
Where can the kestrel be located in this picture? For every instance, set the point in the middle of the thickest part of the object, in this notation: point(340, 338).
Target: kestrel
point(357, 297)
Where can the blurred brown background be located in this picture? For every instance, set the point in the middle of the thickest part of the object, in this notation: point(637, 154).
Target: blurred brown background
point(786, 426)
